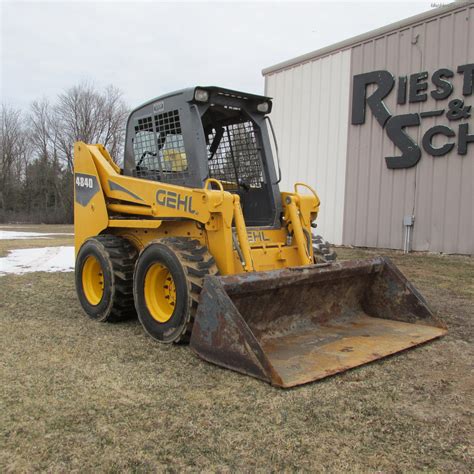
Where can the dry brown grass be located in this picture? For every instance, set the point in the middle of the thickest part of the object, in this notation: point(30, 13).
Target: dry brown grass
point(46, 228)
point(81, 396)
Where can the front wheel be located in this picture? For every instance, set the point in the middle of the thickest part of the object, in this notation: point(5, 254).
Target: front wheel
point(167, 282)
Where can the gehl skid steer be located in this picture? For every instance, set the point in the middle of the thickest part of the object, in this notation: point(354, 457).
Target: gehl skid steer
point(194, 236)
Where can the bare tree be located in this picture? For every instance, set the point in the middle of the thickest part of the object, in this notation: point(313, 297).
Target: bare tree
point(86, 114)
point(47, 178)
point(13, 153)
point(42, 130)
point(36, 150)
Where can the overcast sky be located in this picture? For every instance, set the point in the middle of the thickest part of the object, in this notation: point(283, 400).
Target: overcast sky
point(149, 48)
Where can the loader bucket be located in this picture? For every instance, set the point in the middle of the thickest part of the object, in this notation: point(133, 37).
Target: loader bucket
point(292, 326)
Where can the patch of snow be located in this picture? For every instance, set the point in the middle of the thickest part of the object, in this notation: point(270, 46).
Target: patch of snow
point(15, 235)
point(45, 259)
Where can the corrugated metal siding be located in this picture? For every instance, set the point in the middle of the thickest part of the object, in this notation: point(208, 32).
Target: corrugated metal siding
point(440, 190)
point(310, 116)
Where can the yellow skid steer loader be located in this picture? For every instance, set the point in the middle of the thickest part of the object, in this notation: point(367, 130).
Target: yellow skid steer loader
point(194, 236)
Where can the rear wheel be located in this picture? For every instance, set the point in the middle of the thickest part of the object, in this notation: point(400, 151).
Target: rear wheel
point(104, 272)
point(167, 283)
point(322, 250)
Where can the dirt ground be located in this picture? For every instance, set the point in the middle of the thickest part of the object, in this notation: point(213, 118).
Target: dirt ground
point(77, 395)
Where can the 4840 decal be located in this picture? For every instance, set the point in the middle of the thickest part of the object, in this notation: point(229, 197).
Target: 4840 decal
point(84, 181)
point(86, 187)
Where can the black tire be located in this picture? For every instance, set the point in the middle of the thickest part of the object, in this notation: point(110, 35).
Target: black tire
point(188, 262)
point(116, 257)
point(322, 250)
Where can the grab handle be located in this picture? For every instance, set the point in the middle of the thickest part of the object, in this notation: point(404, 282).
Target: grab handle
point(307, 186)
point(219, 185)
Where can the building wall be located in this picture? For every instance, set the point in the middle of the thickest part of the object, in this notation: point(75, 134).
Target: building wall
point(363, 202)
point(310, 116)
point(438, 190)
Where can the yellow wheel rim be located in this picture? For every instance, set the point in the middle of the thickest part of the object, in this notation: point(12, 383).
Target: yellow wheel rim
point(92, 280)
point(160, 292)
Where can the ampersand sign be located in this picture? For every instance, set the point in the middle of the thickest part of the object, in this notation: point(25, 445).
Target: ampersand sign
point(457, 110)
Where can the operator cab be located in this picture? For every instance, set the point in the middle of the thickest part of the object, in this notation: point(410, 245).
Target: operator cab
point(207, 132)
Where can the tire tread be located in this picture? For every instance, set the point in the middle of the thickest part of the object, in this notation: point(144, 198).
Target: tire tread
point(322, 250)
point(197, 263)
point(122, 255)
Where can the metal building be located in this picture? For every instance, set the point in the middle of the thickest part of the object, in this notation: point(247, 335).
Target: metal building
point(381, 125)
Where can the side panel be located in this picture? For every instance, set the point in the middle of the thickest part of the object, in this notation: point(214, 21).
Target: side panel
point(310, 115)
point(90, 212)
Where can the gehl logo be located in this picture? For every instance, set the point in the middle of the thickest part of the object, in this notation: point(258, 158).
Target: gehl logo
point(415, 89)
point(255, 236)
point(175, 200)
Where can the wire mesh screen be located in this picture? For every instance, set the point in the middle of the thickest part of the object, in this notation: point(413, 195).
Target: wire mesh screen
point(237, 157)
point(159, 148)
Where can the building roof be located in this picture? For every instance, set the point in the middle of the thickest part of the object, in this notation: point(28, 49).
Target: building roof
point(350, 42)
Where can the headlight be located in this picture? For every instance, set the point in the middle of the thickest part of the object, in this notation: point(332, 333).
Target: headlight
point(263, 107)
point(201, 95)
